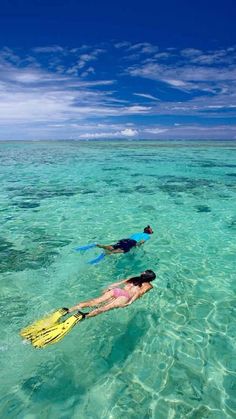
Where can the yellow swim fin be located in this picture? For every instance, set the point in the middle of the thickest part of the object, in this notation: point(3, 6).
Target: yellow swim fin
point(33, 329)
point(55, 333)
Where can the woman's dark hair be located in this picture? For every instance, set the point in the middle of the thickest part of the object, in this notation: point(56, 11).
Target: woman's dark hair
point(147, 276)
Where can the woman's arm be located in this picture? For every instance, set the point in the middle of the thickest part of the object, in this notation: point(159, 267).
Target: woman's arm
point(117, 283)
point(139, 293)
point(135, 297)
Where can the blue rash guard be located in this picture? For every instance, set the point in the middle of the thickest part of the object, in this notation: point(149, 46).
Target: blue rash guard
point(140, 236)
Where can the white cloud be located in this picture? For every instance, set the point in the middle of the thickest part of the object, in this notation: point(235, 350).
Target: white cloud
point(176, 83)
point(84, 59)
point(190, 52)
point(155, 130)
point(89, 70)
point(30, 76)
point(60, 90)
point(9, 55)
point(123, 44)
point(190, 132)
point(136, 109)
point(197, 131)
point(188, 77)
point(146, 96)
point(163, 55)
point(176, 131)
point(49, 49)
point(144, 48)
point(127, 132)
point(32, 95)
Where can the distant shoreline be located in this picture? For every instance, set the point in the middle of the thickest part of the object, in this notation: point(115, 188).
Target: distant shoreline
point(122, 140)
point(99, 143)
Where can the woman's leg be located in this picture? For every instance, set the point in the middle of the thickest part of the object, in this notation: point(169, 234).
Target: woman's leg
point(117, 303)
point(93, 302)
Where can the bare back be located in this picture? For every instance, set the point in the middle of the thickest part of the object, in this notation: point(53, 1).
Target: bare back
point(136, 289)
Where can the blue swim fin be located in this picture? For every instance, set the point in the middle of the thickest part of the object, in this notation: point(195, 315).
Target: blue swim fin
point(97, 259)
point(86, 247)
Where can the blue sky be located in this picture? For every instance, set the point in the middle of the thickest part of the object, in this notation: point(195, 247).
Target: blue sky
point(93, 70)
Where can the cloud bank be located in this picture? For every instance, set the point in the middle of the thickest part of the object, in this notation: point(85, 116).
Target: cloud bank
point(119, 90)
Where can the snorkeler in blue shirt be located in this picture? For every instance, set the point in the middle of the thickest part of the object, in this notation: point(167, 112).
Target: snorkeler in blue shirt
point(125, 245)
point(122, 246)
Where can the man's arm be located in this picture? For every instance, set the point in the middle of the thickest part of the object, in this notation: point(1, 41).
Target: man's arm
point(140, 243)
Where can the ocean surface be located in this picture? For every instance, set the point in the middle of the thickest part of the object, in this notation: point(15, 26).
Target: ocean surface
point(169, 355)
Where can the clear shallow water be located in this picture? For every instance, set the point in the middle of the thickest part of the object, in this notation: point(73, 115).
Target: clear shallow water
point(169, 355)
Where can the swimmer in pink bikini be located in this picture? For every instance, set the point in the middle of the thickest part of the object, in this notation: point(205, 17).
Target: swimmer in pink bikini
point(115, 297)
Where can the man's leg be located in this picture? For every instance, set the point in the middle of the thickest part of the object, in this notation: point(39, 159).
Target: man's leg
point(110, 248)
point(117, 251)
point(105, 247)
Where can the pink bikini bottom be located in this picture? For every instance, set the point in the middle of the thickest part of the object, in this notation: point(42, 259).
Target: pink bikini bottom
point(119, 292)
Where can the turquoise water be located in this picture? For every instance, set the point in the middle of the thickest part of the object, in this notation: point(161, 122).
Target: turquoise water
point(169, 355)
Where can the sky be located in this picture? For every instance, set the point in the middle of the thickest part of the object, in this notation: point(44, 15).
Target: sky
point(117, 70)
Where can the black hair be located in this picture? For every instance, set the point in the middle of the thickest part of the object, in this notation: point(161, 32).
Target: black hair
point(147, 276)
point(147, 229)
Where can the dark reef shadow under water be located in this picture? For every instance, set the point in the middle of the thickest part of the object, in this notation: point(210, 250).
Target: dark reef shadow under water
point(15, 260)
point(126, 343)
point(202, 208)
point(231, 224)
